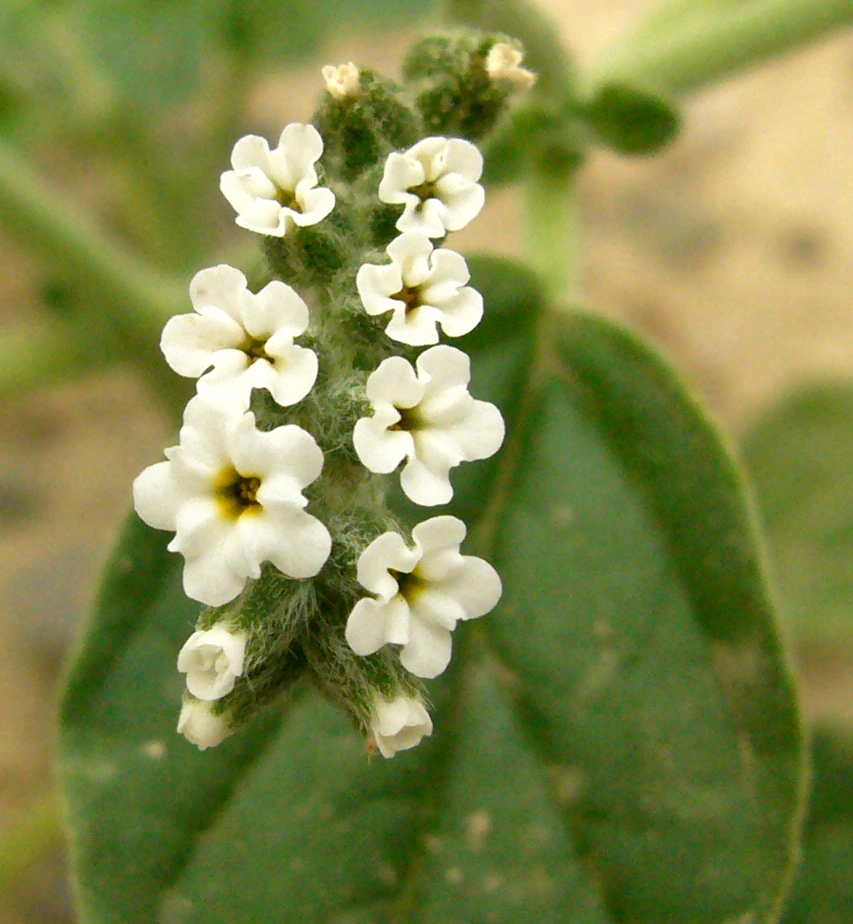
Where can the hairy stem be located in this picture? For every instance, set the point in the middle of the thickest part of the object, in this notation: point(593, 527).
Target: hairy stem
point(693, 50)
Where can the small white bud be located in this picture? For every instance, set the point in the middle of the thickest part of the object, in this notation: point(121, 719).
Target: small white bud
point(399, 724)
point(502, 63)
point(212, 661)
point(200, 726)
point(342, 81)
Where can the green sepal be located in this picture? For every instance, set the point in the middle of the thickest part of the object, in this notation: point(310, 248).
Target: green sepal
point(360, 131)
point(631, 120)
point(453, 91)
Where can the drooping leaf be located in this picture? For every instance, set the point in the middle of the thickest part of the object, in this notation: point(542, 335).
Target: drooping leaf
point(627, 703)
point(800, 456)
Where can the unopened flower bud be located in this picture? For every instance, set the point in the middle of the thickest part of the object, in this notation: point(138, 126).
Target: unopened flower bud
point(212, 661)
point(399, 724)
point(502, 63)
point(201, 726)
point(342, 81)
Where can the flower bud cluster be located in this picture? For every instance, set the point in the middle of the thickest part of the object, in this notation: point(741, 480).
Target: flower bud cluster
point(315, 389)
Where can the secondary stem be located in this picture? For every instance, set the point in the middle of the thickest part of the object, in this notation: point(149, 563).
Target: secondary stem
point(712, 45)
point(552, 240)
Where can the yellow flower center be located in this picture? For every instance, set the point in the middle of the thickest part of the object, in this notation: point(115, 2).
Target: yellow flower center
point(410, 296)
point(410, 419)
point(237, 494)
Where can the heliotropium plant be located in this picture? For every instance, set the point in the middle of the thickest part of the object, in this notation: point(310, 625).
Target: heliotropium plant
point(447, 604)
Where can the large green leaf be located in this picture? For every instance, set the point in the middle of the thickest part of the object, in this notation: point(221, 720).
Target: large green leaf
point(799, 454)
point(618, 742)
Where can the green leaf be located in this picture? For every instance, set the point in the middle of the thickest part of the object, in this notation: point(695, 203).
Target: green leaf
point(799, 455)
point(823, 890)
point(636, 621)
point(631, 120)
point(627, 703)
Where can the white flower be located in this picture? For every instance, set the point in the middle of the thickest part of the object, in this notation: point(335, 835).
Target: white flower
point(233, 496)
point(429, 419)
point(200, 726)
point(436, 180)
point(422, 287)
point(399, 724)
point(212, 660)
point(273, 190)
point(421, 593)
point(342, 81)
point(244, 340)
point(502, 63)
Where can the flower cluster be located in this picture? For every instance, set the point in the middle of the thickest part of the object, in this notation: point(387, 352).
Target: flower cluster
point(304, 398)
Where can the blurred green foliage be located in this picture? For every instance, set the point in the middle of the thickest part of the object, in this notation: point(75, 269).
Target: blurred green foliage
point(823, 890)
point(800, 456)
point(149, 97)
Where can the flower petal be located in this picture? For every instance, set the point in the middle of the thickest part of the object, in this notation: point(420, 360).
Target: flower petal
point(437, 534)
point(376, 284)
point(401, 173)
point(477, 587)
point(218, 286)
point(463, 201)
point(428, 650)
point(395, 381)
point(460, 315)
point(202, 727)
point(379, 449)
point(388, 551)
point(251, 151)
point(156, 496)
point(276, 308)
point(189, 341)
point(425, 486)
point(463, 158)
point(372, 624)
point(289, 378)
point(445, 367)
point(294, 541)
point(417, 327)
point(315, 203)
point(285, 450)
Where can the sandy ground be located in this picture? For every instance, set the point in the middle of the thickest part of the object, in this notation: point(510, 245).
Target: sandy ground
point(734, 251)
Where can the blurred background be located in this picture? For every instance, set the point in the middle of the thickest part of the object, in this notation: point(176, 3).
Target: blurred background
point(733, 251)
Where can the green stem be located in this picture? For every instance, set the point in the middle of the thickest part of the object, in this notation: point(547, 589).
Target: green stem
point(719, 41)
point(29, 839)
point(553, 237)
point(50, 222)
